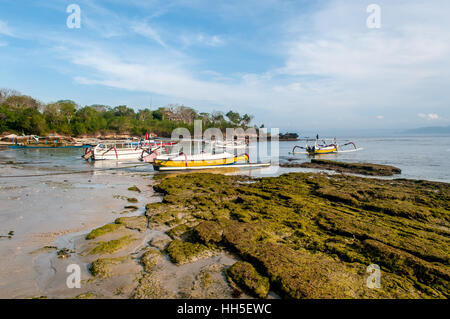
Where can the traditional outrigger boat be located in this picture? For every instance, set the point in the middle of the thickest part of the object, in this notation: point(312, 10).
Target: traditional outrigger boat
point(234, 145)
point(183, 160)
point(113, 150)
point(208, 154)
point(324, 148)
point(124, 149)
point(34, 141)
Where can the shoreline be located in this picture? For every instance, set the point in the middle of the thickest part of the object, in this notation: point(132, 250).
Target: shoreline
point(182, 263)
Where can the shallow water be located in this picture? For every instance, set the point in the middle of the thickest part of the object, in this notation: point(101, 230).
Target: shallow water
point(419, 157)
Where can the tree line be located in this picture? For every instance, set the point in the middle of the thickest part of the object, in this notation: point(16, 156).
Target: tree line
point(22, 114)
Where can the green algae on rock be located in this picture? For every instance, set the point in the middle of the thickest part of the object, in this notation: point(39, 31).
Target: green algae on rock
point(184, 252)
point(87, 295)
point(101, 268)
point(356, 168)
point(313, 235)
point(178, 231)
point(150, 259)
point(109, 247)
point(245, 275)
point(149, 287)
point(134, 189)
point(133, 222)
point(64, 253)
point(105, 229)
point(132, 200)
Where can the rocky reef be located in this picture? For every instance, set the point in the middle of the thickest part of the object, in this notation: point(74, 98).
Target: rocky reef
point(313, 235)
point(343, 167)
point(298, 235)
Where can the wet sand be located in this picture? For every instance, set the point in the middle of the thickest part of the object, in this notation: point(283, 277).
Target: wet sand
point(55, 211)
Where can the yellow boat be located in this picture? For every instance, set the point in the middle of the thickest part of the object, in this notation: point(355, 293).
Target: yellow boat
point(316, 150)
point(325, 147)
point(204, 159)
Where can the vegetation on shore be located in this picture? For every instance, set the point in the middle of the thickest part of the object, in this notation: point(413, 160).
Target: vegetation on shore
point(23, 114)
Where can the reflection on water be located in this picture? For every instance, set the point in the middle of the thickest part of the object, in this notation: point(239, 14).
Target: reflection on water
point(418, 157)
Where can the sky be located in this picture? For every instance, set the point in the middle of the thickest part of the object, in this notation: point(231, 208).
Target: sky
point(295, 65)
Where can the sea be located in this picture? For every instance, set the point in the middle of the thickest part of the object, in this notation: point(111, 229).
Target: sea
point(419, 157)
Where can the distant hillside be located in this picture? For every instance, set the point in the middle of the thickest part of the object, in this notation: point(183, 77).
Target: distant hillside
point(430, 130)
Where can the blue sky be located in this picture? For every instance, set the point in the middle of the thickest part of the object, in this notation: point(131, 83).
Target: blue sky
point(296, 65)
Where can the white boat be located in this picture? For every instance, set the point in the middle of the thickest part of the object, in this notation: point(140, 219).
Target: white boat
point(232, 145)
point(115, 150)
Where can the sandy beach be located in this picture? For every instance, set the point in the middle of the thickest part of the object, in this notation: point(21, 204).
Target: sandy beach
point(55, 211)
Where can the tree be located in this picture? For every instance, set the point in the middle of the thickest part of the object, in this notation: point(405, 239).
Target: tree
point(234, 117)
point(246, 119)
point(145, 115)
point(67, 109)
point(217, 117)
point(22, 101)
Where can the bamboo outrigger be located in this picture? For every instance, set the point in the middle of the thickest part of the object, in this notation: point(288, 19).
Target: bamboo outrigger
point(184, 161)
point(325, 148)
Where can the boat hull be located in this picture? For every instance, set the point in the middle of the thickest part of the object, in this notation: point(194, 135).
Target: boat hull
point(176, 163)
point(127, 154)
point(325, 150)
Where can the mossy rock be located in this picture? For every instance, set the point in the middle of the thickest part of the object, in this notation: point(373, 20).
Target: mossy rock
point(132, 200)
point(108, 228)
point(101, 268)
point(245, 275)
point(356, 168)
point(160, 241)
point(185, 252)
point(150, 259)
point(134, 189)
point(109, 247)
point(313, 235)
point(209, 232)
point(86, 295)
point(133, 222)
point(178, 231)
point(150, 287)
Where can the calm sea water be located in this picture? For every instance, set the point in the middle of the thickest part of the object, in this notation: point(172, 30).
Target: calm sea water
point(418, 157)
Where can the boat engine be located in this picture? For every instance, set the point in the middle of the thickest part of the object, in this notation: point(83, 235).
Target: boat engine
point(88, 153)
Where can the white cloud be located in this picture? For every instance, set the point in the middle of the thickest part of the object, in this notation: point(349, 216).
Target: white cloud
point(334, 67)
point(201, 39)
point(429, 116)
point(148, 32)
point(213, 41)
point(5, 29)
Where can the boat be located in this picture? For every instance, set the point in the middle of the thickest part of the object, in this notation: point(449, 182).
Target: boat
point(34, 141)
point(115, 150)
point(205, 160)
point(321, 149)
point(324, 147)
point(235, 145)
point(236, 165)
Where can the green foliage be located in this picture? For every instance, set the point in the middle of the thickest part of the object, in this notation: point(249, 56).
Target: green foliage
point(24, 115)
